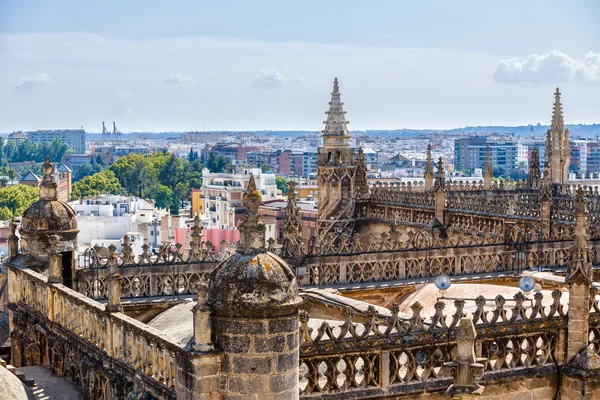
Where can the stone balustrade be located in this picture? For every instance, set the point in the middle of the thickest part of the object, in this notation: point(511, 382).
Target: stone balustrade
point(392, 354)
point(140, 349)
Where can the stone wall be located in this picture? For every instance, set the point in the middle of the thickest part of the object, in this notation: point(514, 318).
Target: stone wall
point(261, 357)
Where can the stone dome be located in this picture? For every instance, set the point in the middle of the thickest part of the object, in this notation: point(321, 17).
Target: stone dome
point(252, 280)
point(48, 214)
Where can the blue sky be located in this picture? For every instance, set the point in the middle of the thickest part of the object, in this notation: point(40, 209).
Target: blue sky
point(178, 65)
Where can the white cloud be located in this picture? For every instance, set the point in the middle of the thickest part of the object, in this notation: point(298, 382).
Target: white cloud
point(272, 79)
point(176, 79)
point(299, 80)
point(30, 82)
point(551, 67)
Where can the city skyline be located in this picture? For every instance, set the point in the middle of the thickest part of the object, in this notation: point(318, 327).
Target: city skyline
point(255, 68)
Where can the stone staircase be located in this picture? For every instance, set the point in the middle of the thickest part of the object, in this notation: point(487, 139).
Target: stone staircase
point(22, 377)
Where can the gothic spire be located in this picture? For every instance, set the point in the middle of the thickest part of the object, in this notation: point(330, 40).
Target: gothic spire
point(558, 122)
point(336, 120)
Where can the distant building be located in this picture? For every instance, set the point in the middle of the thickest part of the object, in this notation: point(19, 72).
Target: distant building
point(273, 214)
point(221, 195)
point(470, 153)
point(62, 176)
point(19, 136)
point(75, 138)
point(74, 161)
point(309, 163)
point(233, 152)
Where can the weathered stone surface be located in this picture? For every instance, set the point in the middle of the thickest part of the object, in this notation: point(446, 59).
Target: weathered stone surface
point(283, 325)
point(287, 362)
point(247, 384)
point(252, 365)
point(234, 344)
point(280, 383)
point(274, 344)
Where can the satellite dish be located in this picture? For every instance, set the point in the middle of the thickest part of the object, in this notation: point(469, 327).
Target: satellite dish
point(443, 282)
point(527, 283)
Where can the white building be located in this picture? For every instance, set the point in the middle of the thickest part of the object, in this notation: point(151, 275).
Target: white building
point(106, 219)
point(221, 195)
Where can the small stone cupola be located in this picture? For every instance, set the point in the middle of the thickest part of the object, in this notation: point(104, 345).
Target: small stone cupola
point(46, 218)
point(252, 279)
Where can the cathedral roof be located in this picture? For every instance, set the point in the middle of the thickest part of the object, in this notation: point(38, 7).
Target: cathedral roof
point(48, 213)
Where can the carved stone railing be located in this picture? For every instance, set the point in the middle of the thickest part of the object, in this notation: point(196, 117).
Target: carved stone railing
point(393, 354)
point(463, 186)
point(130, 346)
point(424, 262)
point(146, 280)
point(399, 195)
point(523, 203)
point(200, 251)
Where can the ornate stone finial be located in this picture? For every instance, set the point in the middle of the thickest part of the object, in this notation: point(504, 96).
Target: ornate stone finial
point(13, 240)
point(428, 173)
point(202, 322)
point(466, 367)
point(48, 186)
point(13, 226)
point(197, 227)
point(336, 87)
point(48, 168)
point(440, 178)
point(535, 172)
point(292, 222)
point(580, 201)
point(488, 170)
point(252, 231)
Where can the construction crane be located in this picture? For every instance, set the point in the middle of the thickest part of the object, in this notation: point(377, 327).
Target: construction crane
point(116, 133)
point(105, 133)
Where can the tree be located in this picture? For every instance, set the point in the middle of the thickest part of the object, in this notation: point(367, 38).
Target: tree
point(282, 184)
point(192, 156)
point(216, 163)
point(17, 198)
point(498, 172)
point(104, 182)
point(86, 169)
point(265, 168)
point(56, 150)
point(161, 195)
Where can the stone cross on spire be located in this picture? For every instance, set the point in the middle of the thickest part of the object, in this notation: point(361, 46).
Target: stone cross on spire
point(252, 231)
point(48, 186)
